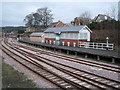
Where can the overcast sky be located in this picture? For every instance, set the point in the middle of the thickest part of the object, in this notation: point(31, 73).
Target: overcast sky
point(13, 13)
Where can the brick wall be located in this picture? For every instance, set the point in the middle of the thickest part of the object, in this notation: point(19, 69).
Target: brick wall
point(50, 40)
point(36, 39)
point(64, 42)
point(60, 24)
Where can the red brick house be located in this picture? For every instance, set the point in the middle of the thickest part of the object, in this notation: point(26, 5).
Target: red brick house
point(76, 22)
point(81, 21)
point(69, 36)
point(58, 24)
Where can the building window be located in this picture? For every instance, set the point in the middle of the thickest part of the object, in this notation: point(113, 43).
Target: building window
point(83, 35)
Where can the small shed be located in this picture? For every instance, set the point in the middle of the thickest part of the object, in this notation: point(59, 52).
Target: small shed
point(37, 37)
point(14, 36)
point(69, 36)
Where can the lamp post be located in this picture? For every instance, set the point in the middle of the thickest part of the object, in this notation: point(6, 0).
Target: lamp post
point(107, 43)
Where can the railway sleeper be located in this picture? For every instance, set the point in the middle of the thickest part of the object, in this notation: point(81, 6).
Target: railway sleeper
point(80, 73)
point(66, 75)
point(86, 85)
point(52, 77)
point(112, 83)
point(77, 81)
point(117, 86)
point(61, 81)
point(94, 77)
point(102, 86)
point(73, 79)
point(89, 76)
point(84, 74)
point(64, 84)
point(56, 79)
point(98, 79)
point(105, 81)
point(49, 76)
point(69, 77)
point(68, 86)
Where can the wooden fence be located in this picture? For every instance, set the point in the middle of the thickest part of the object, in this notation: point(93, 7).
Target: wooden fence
point(103, 46)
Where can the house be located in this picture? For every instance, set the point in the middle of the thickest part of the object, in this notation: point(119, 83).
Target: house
point(68, 36)
point(35, 29)
point(14, 36)
point(58, 24)
point(101, 17)
point(30, 29)
point(76, 22)
point(37, 37)
point(81, 21)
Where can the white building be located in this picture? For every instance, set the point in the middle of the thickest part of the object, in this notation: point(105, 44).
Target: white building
point(69, 36)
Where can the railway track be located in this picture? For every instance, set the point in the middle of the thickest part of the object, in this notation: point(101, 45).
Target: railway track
point(88, 79)
point(42, 71)
point(80, 61)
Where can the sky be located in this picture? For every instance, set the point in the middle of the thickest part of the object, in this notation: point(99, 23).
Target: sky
point(13, 12)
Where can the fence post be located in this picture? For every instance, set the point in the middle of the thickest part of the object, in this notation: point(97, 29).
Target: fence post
point(86, 55)
point(102, 45)
point(113, 60)
point(93, 44)
point(98, 57)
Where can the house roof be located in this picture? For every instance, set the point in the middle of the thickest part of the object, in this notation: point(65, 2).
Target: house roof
point(37, 34)
point(12, 35)
point(69, 24)
point(102, 17)
point(54, 23)
point(66, 29)
point(84, 18)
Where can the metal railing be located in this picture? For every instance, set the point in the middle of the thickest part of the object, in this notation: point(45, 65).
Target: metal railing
point(103, 46)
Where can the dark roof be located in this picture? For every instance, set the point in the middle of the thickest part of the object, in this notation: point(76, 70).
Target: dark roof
point(102, 17)
point(66, 29)
point(54, 23)
point(69, 24)
point(37, 34)
point(13, 36)
point(83, 18)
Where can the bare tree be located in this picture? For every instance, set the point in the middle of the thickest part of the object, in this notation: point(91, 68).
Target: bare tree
point(112, 11)
point(86, 14)
point(46, 16)
point(42, 16)
point(29, 20)
point(37, 19)
point(85, 18)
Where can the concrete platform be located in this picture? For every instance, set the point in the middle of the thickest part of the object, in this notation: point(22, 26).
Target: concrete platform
point(86, 51)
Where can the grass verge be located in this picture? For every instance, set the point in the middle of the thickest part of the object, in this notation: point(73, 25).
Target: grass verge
point(11, 78)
